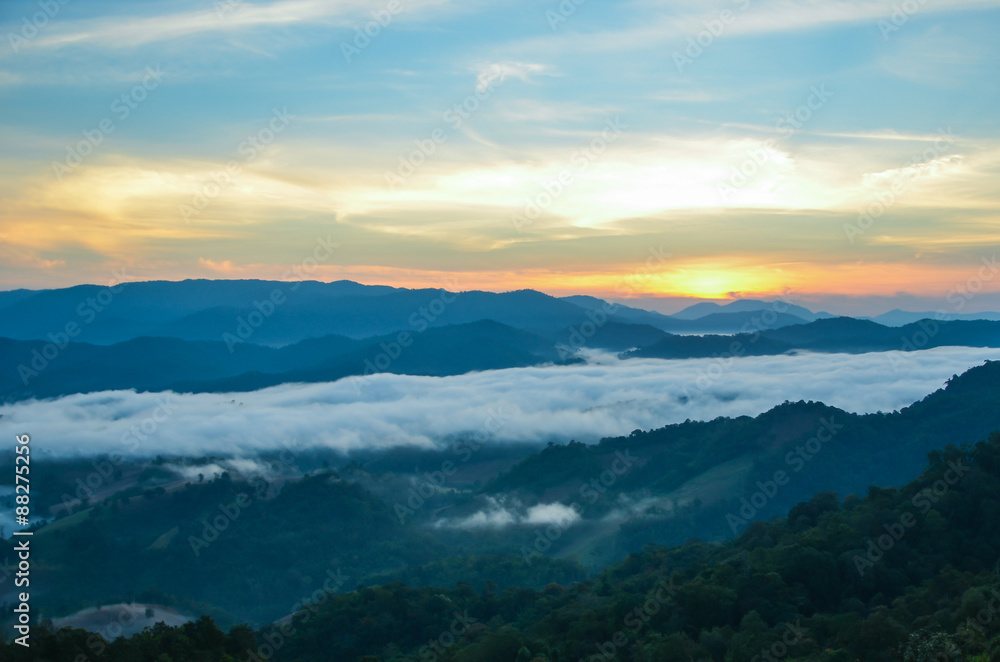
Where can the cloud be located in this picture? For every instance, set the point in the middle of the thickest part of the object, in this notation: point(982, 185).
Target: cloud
point(668, 26)
point(525, 405)
point(224, 267)
point(496, 515)
point(246, 467)
point(131, 31)
point(551, 513)
point(497, 72)
point(901, 176)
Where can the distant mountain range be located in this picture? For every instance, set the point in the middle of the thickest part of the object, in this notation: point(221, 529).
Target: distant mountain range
point(903, 317)
point(157, 364)
point(838, 334)
point(706, 308)
point(281, 313)
point(216, 336)
point(208, 366)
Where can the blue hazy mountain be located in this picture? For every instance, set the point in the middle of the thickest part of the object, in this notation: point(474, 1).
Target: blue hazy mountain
point(209, 366)
point(706, 308)
point(902, 317)
point(281, 313)
point(201, 335)
point(285, 312)
point(838, 334)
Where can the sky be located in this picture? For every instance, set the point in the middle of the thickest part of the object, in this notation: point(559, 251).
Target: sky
point(844, 151)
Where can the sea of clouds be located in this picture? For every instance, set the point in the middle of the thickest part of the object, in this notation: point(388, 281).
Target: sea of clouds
point(605, 397)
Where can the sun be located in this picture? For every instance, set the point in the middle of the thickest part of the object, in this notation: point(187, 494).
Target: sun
point(714, 281)
point(703, 285)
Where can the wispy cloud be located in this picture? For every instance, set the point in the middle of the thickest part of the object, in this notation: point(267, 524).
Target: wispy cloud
point(132, 30)
point(657, 26)
point(496, 72)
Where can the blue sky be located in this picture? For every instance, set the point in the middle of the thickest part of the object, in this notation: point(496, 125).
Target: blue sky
point(897, 116)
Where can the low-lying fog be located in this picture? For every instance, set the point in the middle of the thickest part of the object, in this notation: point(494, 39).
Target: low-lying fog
point(605, 397)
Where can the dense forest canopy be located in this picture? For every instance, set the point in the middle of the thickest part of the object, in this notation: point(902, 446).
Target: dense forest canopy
point(901, 574)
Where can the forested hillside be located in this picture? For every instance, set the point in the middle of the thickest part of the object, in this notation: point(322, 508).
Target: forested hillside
point(901, 574)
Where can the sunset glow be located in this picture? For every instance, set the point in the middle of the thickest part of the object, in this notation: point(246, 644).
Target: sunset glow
point(512, 153)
